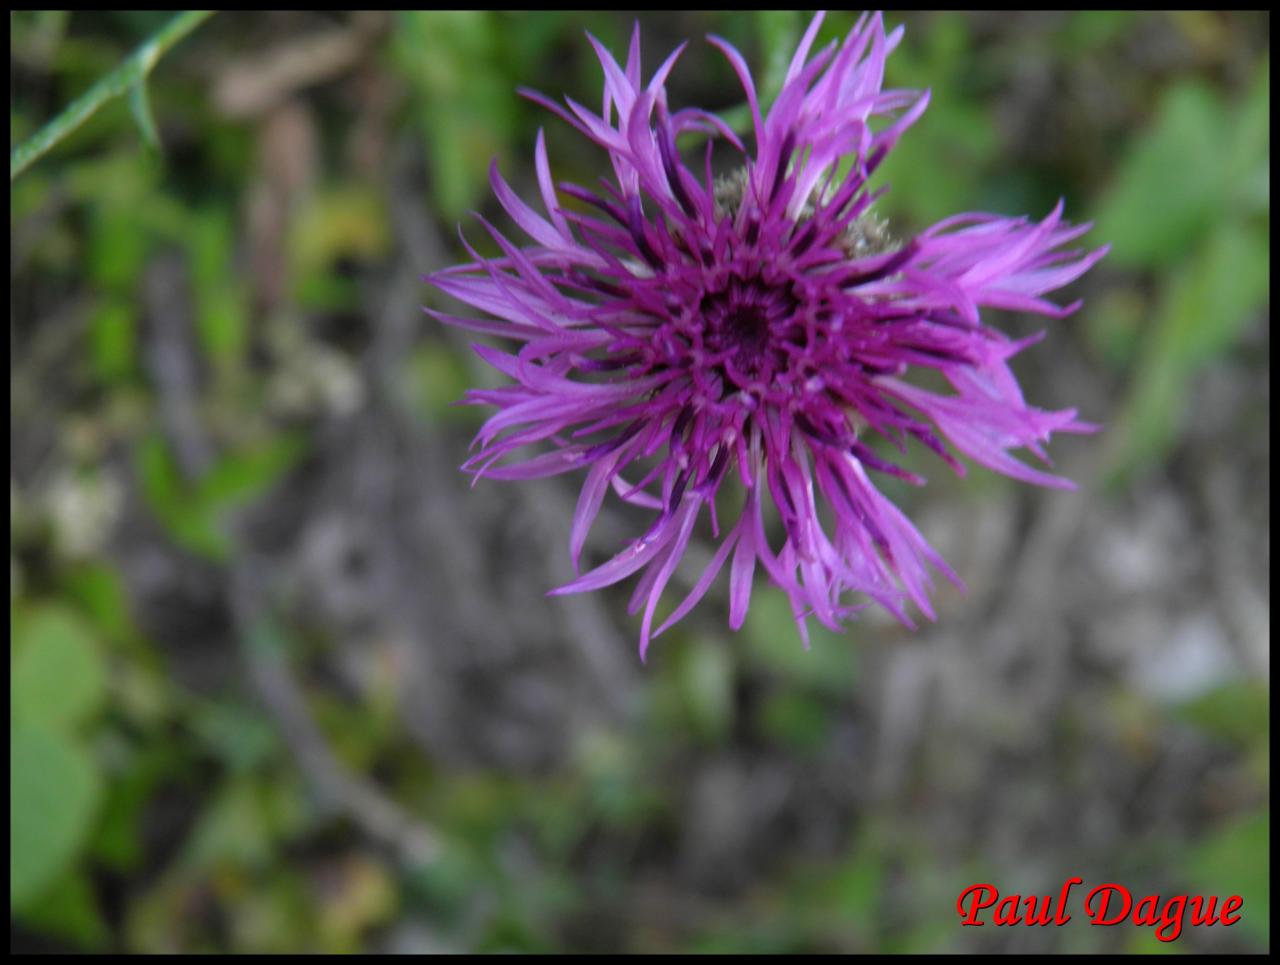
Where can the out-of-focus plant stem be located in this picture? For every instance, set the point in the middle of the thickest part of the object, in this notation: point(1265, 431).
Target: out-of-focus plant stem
point(130, 77)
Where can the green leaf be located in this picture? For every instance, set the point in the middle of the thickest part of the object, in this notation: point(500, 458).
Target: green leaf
point(854, 888)
point(129, 76)
point(193, 514)
point(140, 108)
point(99, 591)
point(222, 312)
point(436, 381)
point(117, 841)
point(1226, 285)
point(1171, 187)
point(706, 685)
point(238, 736)
point(779, 31)
point(117, 242)
point(111, 333)
point(239, 477)
point(166, 493)
point(615, 790)
point(956, 139)
point(58, 677)
point(464, 99)
point(1233, 861)
point(798, 720)
point(1248, 154)
point(1236, 712)
point(346, 223)
point(1088, 30)
point(1202, 312)
point(231, 832)
point(1114, 325)
point(69, 909)
point(53, 792)
point(773, 643)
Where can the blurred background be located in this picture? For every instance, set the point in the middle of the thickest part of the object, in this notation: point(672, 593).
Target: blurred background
point(281, 681)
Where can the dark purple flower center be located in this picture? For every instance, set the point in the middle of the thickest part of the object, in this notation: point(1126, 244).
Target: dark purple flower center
point(744, 329)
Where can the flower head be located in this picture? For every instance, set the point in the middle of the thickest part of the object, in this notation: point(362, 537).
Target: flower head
point(679, 331)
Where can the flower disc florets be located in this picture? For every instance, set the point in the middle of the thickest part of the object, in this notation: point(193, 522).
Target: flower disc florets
point(761, 325)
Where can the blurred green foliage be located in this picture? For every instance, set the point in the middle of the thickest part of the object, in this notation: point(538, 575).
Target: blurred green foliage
point(128, 80)
point(953, 151)
point(452, 60)
point(194, 514)
point(150, 814)
point(54, 782)
point(1192, 199)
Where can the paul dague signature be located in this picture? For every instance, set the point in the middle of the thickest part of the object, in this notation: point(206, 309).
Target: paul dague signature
point(1106, 904)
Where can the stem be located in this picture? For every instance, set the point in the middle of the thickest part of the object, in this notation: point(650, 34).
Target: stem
point(130, 73)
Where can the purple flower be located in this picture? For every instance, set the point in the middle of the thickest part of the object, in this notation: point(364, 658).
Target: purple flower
point(684, 336)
